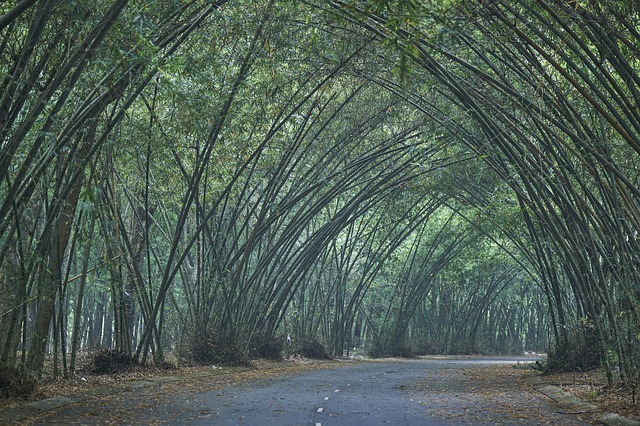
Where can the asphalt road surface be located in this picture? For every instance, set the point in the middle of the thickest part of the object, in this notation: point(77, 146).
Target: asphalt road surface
point(413, 392)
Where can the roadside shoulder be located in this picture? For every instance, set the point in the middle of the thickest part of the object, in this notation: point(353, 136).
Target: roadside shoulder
point(196, 378)
point(571, 404)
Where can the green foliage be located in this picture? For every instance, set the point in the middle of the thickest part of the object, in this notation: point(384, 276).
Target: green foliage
point(413, 177)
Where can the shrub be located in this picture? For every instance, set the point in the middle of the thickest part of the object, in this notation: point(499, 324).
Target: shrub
point(401, 350)
point(579, 353)
point(112, 362)
point(312, 348)
point(15, 382)
point(269, 347)
point(205, 348)
point(425, 347)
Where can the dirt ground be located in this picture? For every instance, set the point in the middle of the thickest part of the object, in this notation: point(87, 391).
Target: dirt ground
point(201, 377)
point(591, 386)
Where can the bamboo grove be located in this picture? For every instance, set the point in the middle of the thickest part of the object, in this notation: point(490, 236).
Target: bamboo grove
point(375, 177)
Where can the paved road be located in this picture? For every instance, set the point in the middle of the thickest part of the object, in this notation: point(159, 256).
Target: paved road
point(415, 392)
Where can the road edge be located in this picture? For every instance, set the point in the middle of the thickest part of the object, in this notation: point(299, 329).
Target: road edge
point(571, 404)
point(24, 412)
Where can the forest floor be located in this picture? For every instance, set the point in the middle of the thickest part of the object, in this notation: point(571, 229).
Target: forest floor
point(590, 386)
point(190, 377)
